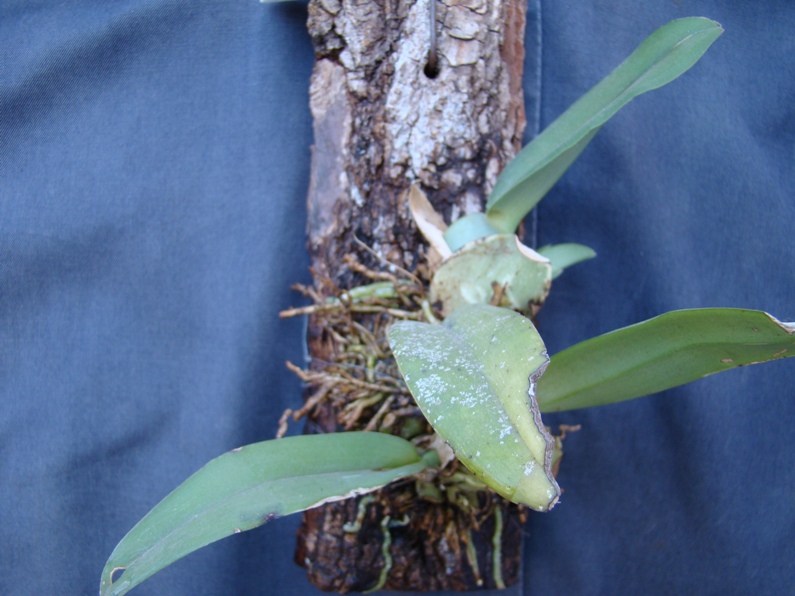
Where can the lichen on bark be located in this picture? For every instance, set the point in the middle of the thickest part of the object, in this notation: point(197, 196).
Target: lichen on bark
point(381, 124)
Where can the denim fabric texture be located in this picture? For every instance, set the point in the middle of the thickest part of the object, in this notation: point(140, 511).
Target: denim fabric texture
point(154, 159)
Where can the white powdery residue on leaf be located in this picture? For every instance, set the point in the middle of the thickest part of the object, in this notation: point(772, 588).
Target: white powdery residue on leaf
point(431, 388)
point(528, 469)
point(504, 318)
point(473, 397)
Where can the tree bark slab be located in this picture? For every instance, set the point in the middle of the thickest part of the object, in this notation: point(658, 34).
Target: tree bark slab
point(380, 124)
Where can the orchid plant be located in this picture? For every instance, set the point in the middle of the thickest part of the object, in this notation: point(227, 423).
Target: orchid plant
point(481, 375)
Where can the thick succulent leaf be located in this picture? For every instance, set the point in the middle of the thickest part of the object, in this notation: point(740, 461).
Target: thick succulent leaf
point(469, 228)
point(519, 193)
point(246, 487)
point(522, 276)
point(565, 255)
point(663, 352)
point(474, 378)
point(662, 57)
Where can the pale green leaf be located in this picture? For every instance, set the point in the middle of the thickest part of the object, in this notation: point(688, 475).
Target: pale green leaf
point(474, 377)
point(565, 255)
point(663, 352)
point(467, 229)
point(519, 275)
point(662, 57)
point(246, 487)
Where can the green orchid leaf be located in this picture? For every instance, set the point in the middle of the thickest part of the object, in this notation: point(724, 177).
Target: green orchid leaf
point(499, 264)
point(468, 228)
point(474, 378)
point(565, 255)
point(662, 57)
point(246, 487)
point(663, 352)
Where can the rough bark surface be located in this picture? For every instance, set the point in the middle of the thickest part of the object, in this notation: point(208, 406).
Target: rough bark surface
point(380, 124)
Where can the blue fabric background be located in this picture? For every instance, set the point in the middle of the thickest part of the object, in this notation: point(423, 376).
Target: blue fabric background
point(153, 170)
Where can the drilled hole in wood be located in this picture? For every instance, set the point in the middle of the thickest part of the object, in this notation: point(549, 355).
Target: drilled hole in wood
point(431, 69)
